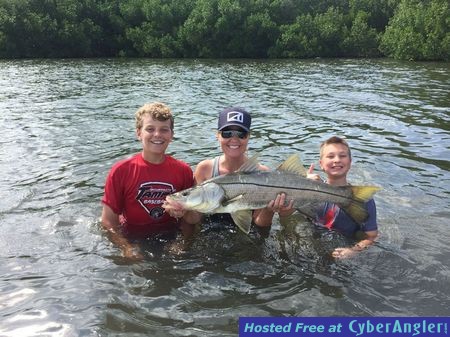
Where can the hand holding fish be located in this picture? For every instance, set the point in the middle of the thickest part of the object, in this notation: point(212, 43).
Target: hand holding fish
point(178, 210)
point(174, 208)
point(249, 188)
point(281, 206)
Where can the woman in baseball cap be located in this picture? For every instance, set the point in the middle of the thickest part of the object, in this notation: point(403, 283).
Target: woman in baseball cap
point(233, 133)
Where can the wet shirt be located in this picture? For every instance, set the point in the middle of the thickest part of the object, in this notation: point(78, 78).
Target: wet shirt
point(330, 216)
point(136, 189)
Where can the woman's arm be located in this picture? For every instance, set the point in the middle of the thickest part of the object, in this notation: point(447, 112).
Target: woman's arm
point(263, 217)
point(203, 171)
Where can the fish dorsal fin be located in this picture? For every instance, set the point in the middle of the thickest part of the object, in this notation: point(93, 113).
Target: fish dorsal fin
point(293, 165)
point(251, 165)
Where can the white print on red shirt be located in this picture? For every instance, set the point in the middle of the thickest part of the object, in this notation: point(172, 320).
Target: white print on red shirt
point(152, 194)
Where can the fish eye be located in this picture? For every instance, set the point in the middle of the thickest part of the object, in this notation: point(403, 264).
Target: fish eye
point(184, 193)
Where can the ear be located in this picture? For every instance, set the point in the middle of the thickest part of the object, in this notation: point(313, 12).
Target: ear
point(138, 134)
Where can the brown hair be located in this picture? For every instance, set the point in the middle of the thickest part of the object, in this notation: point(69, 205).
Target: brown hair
point(335, 140)
point(158, 111)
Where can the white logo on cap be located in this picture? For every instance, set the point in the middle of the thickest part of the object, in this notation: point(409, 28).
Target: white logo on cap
point(235, 116)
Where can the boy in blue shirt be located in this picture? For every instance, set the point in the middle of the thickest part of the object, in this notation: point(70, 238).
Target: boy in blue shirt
point(335, 161)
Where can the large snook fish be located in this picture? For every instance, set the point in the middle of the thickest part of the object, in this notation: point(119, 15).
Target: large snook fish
point(249, 188)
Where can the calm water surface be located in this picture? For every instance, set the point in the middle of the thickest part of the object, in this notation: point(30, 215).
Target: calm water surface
point(65, 122)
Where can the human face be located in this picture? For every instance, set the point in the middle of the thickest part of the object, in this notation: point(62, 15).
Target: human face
point(234, 145)
point(154, 135)
point(335, 160)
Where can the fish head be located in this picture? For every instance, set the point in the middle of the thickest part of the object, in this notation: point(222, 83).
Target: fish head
point(204, 198)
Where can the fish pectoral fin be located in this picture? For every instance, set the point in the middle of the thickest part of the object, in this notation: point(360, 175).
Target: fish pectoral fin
point(243, 219)
point(230, 201)
point(293, 165)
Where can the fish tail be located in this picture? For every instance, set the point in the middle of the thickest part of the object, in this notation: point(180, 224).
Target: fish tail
point(361, 194)
point(364, 193)
point(356, 211)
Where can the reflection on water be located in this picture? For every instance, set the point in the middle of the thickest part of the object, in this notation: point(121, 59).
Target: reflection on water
point(65, 122)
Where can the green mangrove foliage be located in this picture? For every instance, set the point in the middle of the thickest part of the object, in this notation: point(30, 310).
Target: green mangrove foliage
point(403, 29)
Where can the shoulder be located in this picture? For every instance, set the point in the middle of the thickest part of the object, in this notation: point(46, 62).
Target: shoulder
point(207, 163)
point(177, 163)
point(123, 169)
point(371, 202)
point(125, 163)
point(371, 222)
point(370, 205)
point(203, 170)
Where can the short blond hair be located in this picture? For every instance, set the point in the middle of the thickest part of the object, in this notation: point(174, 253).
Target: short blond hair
point(157, 110)
point(335, 140)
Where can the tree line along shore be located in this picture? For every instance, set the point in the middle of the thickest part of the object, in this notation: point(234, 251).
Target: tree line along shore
point(402, 29)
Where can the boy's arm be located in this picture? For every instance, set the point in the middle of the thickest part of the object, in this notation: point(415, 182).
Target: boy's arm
point(366, 242)
point(359, 246)
point(111, 223)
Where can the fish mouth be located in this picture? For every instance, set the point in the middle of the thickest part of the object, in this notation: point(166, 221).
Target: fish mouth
point(172, 197)
point(177, 198)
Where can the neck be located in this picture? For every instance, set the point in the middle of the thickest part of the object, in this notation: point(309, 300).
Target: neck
point(232, 164)
point(154, 158)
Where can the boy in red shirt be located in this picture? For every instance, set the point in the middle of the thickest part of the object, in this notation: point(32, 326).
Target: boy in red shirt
point(136, 187)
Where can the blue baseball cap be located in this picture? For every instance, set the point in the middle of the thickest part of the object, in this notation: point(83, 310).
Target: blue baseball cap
point(234, 116)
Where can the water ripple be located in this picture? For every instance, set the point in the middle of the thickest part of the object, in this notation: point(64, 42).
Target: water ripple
point(65, 122)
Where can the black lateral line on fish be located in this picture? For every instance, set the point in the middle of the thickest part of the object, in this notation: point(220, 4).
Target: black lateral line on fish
point(289, 188)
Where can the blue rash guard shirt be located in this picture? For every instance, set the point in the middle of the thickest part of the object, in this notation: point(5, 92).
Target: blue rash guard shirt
point(333, 217)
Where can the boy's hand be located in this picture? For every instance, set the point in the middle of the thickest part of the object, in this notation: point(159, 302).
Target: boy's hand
point(174, 208)
point(132, 252)
point(311, 175)
point(343, 253)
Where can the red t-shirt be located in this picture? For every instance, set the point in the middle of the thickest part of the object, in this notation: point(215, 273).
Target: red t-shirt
point(136, 189)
